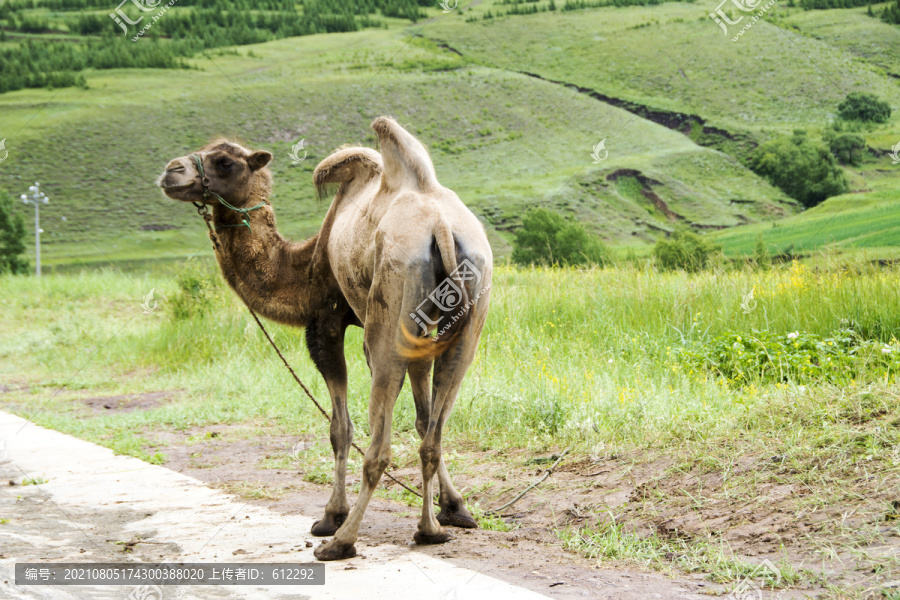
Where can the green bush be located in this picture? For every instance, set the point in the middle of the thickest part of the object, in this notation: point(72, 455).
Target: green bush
point(891, 13)
point(803, 169)
point(546, 238)
point(860, 106)
point(799, 357)
point(198, 286)
point(685, 250)
point(761, 254)
point(12, 238)
point(849, 148)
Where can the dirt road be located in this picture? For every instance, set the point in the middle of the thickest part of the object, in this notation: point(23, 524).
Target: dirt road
point(91, 505)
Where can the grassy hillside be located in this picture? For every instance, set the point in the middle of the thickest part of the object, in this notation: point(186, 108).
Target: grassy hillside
point(674, 57)
point(510, 107)
point(99, 151)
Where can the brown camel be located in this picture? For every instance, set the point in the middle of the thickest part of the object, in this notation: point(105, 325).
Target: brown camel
point(397, 253)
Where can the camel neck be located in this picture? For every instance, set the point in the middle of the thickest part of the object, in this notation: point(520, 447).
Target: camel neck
point(271, 274)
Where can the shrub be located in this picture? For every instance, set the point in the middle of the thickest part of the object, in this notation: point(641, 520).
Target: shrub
point(685, 250)
point(546, 238)
point(800, 357)
point(12, 238)
point(891, 14)
point(198, 286)
point(803, 169)
point(761, 254)
point(860, 106)
point(849, 148)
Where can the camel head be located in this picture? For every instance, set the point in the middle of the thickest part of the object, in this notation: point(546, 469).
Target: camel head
point(229, 170)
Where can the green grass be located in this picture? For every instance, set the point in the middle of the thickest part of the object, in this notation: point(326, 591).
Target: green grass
point(587, 359)
point(581, 348)
point(849, 222)
point(609, 541)
point(868, 39)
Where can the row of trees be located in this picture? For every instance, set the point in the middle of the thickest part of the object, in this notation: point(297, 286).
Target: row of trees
point(207, 24)
point(891, 14)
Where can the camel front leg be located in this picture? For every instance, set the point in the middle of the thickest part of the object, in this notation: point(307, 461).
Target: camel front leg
point(386, 386)
point(341, 433)
point(325, 341)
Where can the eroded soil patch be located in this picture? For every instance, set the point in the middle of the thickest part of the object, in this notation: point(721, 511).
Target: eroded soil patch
point(128, 402)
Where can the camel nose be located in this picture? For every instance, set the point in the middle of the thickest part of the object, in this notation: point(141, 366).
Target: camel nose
point(175, 166)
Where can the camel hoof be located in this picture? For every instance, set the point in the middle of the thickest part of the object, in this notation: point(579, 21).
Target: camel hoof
point(425, 539)
point(460, 517)
point(334, 551)
point(327, 526)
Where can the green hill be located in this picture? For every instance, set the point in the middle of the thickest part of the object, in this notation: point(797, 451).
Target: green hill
point(510, 108)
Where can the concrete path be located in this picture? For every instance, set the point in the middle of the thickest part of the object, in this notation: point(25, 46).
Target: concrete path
point(95, 505)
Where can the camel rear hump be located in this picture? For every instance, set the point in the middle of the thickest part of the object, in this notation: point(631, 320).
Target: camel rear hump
point(406, 161)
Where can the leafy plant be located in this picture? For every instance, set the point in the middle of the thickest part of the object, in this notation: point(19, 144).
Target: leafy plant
point(197, 288)
point(546, 238)
point(799, 357)
point(12, 238)
point(849, 148)
point(685, 250)
point(803, 169)
point(860, 106)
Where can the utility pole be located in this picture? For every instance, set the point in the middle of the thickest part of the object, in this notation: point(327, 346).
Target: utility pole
point(37, 198)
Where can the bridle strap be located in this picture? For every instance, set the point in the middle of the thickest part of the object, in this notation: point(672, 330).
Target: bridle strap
point(204, 211)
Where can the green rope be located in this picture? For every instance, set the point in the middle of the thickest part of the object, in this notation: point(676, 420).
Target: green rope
point(207, 192)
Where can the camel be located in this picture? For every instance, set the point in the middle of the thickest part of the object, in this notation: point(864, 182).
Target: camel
point(399, 255)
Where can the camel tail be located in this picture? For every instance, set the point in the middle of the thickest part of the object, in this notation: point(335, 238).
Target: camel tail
point(344, 165)
point(454, 321)
point(406, 161)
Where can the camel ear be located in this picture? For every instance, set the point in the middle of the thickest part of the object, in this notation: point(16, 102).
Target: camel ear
point(259, 159)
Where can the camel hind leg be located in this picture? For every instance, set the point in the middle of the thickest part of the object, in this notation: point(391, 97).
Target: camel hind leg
point(449, 370)
point(453, 507)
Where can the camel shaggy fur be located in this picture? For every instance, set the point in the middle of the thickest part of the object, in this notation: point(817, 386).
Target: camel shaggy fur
point(399, 255)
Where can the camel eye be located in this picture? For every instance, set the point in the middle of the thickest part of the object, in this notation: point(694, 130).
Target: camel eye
point(224, 164)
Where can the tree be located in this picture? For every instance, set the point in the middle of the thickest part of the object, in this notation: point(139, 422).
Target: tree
point(891, 14)
point(849, 148)
point(546, 238)
point(803, 169)
point(860, 106)
point(685, 250)
point(12, 238)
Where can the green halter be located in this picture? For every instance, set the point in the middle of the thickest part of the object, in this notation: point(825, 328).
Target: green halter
point(204, 183)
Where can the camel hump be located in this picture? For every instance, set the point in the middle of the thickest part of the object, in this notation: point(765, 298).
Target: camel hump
point(345, 164)
point(406, 161)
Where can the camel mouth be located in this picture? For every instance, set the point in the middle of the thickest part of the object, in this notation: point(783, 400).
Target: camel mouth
point(180, 192)
point(173, 185)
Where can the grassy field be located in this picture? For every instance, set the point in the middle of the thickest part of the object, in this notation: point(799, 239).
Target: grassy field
point(622, 364)
point(855, 223)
